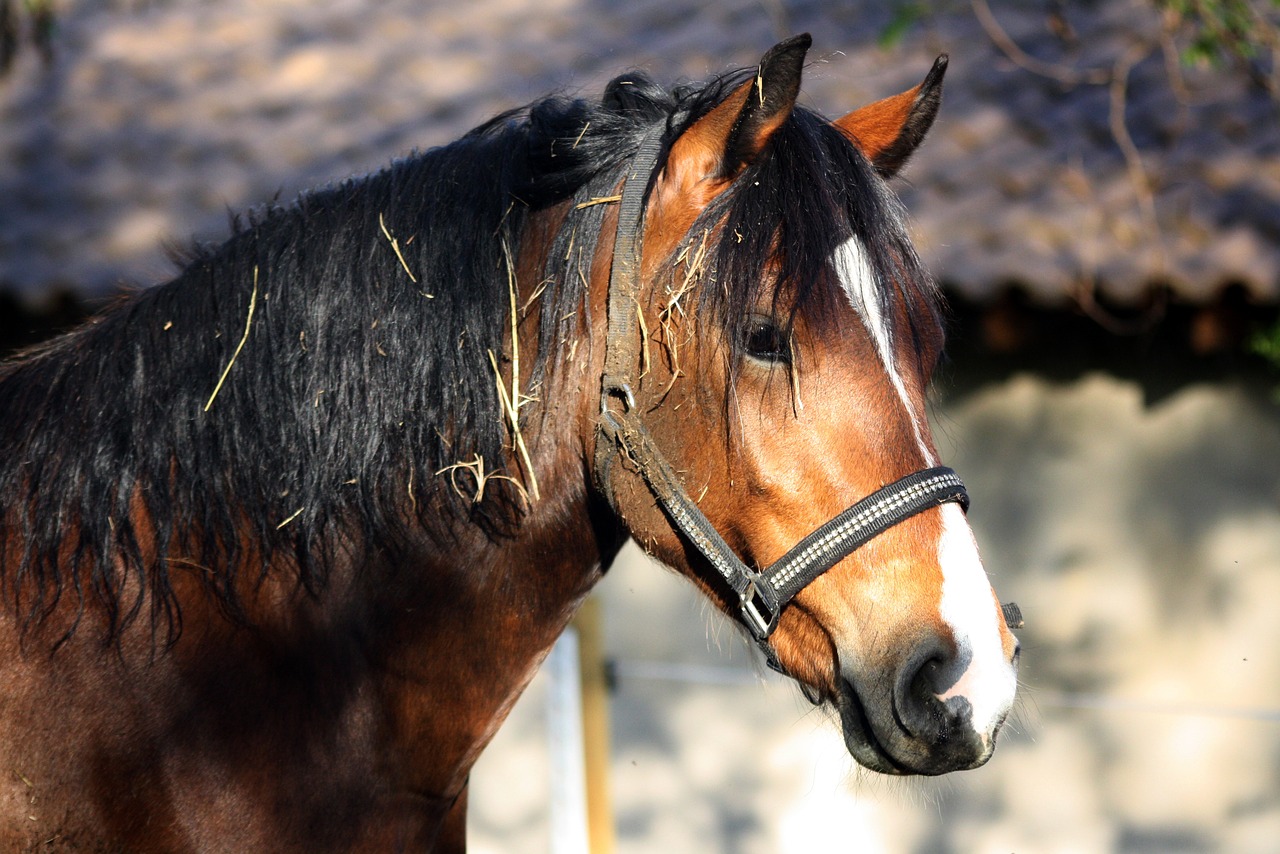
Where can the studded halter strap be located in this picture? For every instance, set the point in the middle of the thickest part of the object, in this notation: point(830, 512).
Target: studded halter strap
point(762, 594)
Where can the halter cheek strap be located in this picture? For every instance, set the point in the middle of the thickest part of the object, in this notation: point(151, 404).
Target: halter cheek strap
point(621, 354)
point(761, 594)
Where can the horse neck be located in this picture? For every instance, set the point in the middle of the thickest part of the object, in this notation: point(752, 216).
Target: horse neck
point(479, 616)
point(477, 624)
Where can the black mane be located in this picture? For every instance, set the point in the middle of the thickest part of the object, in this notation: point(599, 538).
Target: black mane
point(365, 367)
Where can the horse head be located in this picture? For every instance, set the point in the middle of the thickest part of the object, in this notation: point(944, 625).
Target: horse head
point(773, 359)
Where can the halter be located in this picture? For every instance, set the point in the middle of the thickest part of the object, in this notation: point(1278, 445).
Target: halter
point(761, 594)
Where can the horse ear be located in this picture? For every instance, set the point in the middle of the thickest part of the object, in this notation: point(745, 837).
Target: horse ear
point(730, 137)
point(889, 131)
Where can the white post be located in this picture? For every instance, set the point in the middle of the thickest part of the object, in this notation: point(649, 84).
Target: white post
point(564, 736)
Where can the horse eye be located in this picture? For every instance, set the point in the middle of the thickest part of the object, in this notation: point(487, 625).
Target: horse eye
point(766, 342)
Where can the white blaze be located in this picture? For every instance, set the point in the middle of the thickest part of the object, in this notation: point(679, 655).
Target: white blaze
point(968, 607)
point(860, 286)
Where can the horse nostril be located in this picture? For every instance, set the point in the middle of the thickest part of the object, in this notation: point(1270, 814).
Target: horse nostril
point(927, 669)
point(927, 679)
point(920, 709)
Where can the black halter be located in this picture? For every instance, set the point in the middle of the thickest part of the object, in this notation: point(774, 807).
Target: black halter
point(762, 594)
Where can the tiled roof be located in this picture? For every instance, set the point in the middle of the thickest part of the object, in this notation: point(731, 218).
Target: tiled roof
point(154, 121)
point(1025, 182)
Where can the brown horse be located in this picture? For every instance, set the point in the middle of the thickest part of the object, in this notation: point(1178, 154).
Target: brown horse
point(282, 540)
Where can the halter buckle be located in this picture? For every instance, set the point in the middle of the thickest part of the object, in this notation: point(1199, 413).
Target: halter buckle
point(759, 608)
point(620, 390)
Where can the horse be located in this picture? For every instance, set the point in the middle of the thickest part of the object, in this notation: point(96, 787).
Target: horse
point(283, 538)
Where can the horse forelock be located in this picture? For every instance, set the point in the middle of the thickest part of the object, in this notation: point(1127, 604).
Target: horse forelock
point(780, 228)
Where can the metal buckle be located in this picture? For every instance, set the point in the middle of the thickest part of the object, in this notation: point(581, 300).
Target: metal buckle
point(759, 608)
point(623, 392)
point(609, 419)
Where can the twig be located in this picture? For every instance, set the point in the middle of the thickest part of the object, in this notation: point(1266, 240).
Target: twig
point(693, 268)
point(1085, 291)
point(1133, 159)
point(503, 219)
point(694, 260)
point(294, 515)
point(1010, 48)
point(795, 374)
point(644, 339)
point(1173, 69)
point(513, 423)
point(189, 564)
point(568, 251)
point(1117, 82)
point(395, 247)
point(475, 467)
point(1086, 297)
point(517, 398)
point(537, 292)
point(253, 301)
point(599, 200)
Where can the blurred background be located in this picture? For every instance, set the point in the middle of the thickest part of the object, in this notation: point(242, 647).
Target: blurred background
point(1100, 199)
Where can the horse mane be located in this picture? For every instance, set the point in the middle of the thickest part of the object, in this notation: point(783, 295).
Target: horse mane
point(358, 322)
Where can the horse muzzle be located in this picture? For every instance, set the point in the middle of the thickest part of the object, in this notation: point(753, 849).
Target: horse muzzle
point(910, 719)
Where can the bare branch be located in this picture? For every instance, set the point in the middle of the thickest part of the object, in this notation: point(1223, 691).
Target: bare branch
point(1001, 39)
point(1133, 158)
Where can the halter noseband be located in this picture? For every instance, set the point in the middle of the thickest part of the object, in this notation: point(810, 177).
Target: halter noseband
point(762, 595)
